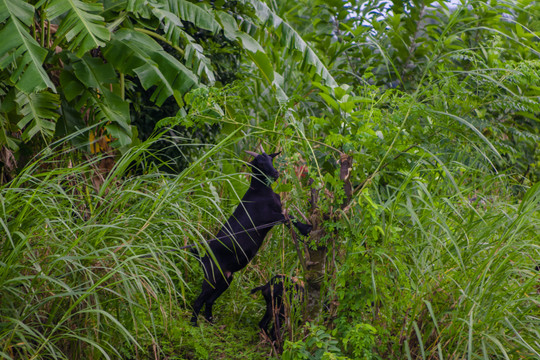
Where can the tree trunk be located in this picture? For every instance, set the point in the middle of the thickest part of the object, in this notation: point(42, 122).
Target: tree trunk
point(316, 264)
point(317, 253)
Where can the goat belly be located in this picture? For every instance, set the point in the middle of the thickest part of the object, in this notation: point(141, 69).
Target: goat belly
point(230, 255)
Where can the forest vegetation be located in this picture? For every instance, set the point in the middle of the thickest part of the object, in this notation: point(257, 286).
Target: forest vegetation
point(409, 135)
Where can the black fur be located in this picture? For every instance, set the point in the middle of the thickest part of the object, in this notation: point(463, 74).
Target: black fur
point(274, 292)
point(235, 247)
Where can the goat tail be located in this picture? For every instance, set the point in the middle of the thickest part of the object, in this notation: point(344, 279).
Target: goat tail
point(258, 288)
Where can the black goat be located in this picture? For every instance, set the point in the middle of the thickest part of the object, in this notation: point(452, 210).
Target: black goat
point(239, 239)
point(279, 293)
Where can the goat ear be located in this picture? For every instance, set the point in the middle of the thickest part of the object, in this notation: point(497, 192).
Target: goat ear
point(275, 154)
point(254, 154)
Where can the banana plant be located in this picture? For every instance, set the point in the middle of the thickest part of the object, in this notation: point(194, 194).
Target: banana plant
point(65, 65)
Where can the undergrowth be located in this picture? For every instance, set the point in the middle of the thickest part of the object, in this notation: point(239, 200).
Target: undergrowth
point(443, 266)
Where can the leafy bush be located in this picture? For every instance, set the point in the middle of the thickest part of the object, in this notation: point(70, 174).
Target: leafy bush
point(317, 345)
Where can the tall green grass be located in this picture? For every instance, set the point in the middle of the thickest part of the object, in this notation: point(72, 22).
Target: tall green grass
point(89, 265)
point(441, 261)
point(453, 274)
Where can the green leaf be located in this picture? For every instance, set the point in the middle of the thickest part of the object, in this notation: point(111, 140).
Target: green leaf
point(330, 101)
point(254, 49)
point(263, 63)
point(470, 126)
point(197, 61)
point(292, 40)
point(122, 135)
point(24, 54)
point(193, 52)
point(39, 114)
point(17, 9)
point(195, 14)
point(135, 53)
point(167, 74)
point(5, 134)
point(113, 111)
point(70, 85)
point(139, 7)
point(72, 124)
point(82, 27)
point(93, 72)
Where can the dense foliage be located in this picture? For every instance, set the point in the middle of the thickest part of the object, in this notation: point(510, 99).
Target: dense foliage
point(409, 132)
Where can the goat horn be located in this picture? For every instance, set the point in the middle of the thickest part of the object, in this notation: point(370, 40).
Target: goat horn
point(254, 154)
point(262, 150)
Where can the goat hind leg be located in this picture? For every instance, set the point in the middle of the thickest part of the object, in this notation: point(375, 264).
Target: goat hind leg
point(221, 285)
point(263, 324)
point(206, 291)
point(275, 331)
point(197, 306)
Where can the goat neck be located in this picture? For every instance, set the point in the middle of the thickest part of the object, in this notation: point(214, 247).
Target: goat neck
point(260, 180)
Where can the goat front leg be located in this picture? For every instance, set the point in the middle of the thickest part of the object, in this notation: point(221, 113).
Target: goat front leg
point(304, 229)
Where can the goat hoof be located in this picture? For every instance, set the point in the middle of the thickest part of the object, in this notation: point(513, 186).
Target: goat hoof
point(306, 230)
